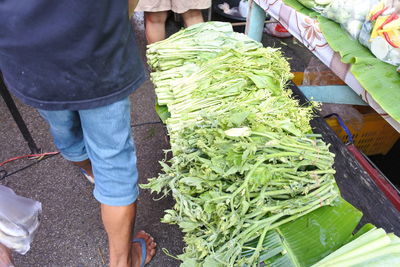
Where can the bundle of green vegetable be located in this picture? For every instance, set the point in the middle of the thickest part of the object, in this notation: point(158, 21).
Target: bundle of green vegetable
point(180, 55)
point(244, 158)
point(235, 77)
point(197, 43)
point(233, 185)
point(373, 248)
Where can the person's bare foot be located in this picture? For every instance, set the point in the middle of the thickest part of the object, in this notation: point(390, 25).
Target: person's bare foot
point(137, 250)
point(5, 257)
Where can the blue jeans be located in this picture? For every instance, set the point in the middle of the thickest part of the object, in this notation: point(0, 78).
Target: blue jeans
point(104, 136)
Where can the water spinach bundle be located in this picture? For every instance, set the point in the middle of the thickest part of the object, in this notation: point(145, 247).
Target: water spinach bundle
point(245, 160)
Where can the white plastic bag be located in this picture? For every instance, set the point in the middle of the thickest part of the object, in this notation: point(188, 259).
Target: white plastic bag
point(381, 31)
point(19, 220)
point(350, 14)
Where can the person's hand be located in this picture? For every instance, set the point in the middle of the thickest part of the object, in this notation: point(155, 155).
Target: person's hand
point(132, 6)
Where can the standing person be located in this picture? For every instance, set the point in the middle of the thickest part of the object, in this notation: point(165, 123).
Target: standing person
point(156, 12)
point(77, 62)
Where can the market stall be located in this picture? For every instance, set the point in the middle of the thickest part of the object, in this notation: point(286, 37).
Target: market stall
point(375, 82)
point(252, 182)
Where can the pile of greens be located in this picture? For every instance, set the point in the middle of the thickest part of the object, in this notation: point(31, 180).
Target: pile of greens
point(232, 78)
point(180, 55)
point(232, 185)
point(245, 160)
point(196, 44)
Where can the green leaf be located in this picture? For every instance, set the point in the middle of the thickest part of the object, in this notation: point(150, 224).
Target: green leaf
point(310, 238)
point(162, 112)
point(313, 236)
point(192, 181)
point(239, 117)
point(188, 226)
point(299, 7)
point(190, 263)
point(211, 262)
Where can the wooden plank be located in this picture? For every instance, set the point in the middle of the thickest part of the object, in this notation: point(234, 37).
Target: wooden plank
point(337, 94)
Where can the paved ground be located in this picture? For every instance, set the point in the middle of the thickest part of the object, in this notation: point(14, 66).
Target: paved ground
point(71, 232)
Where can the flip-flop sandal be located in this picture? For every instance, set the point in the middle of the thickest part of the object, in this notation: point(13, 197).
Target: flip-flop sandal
point(142, 243)
point(87, 176)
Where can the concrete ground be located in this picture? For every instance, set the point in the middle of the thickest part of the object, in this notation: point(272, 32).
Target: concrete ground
point(71, 232)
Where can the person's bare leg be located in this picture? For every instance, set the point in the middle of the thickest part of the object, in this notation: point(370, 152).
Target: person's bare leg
point(86, 165)
point(155, 26)
point(5, 257)
point(119, 222)
point(192, 17)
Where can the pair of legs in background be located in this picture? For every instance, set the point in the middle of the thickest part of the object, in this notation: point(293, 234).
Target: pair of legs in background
point(100, 141)
point(156, 13)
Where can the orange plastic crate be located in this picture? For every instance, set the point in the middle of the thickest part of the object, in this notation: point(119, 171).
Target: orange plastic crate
point(375, 136)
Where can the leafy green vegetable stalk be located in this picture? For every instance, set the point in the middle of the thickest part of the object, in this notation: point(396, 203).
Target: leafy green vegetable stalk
point(252, 79)
point(233, 187)
point(245, 160)
point(197, 43)
point(373, 248)
point(180, 55)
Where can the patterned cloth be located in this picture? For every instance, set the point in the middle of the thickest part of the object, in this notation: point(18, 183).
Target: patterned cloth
point(178, 6)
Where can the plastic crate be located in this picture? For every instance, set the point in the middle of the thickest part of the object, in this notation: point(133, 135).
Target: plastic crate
point(375, 136)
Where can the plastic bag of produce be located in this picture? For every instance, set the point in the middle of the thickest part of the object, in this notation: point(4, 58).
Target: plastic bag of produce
point(317, 5)
point(19, 220)
point(381, 31)
point(351, 14)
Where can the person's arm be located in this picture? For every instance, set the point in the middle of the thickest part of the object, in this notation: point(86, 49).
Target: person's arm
point(132, 6)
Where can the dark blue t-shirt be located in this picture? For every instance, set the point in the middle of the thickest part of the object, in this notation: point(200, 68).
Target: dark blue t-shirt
point(68, 54)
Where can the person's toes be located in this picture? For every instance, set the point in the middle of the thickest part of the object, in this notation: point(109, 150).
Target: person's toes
point(150, 247)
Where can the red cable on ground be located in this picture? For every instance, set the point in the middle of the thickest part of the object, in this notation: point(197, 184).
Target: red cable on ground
point(29, 156)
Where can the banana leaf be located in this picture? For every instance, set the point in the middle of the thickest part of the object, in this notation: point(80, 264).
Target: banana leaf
point(310, 238)
point(162, 112)
point(301, 8)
